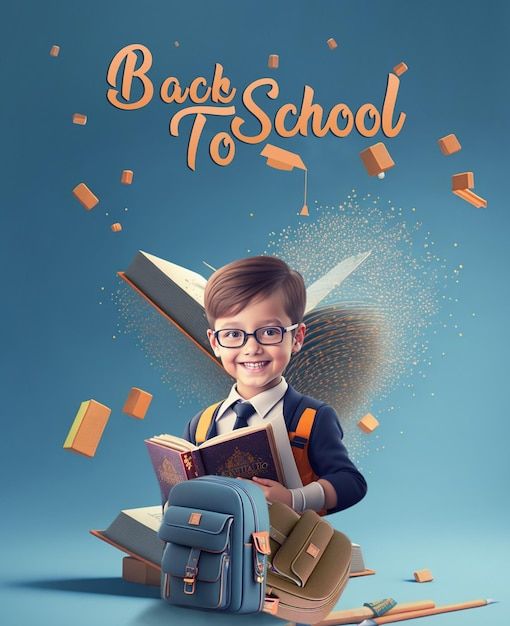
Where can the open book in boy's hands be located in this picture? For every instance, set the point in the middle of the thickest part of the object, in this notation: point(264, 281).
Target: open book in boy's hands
point(244, 453)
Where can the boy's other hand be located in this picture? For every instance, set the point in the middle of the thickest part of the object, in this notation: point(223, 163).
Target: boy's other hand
point(273, 490)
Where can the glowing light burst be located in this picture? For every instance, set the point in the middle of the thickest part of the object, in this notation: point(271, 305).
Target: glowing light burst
point(399, 287)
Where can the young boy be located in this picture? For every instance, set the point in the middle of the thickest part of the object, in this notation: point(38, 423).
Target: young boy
point(255, 308)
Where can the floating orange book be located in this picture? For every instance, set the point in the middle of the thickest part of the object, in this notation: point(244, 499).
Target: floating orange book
point(462, 184)
point(87, 428)
point(85, 196)
point(368, 423)
point(449, 144)
point(376, 159)
point(137, 403)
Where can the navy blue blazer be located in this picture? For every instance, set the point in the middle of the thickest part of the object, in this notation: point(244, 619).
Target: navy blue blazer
point(326, 452)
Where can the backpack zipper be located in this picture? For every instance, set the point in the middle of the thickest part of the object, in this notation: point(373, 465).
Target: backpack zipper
point(257, 526)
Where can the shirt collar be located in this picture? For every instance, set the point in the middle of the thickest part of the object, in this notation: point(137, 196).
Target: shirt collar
point(262, 402)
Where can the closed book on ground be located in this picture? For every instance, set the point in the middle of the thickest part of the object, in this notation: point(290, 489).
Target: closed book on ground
point(243, 453)
point(135, 531)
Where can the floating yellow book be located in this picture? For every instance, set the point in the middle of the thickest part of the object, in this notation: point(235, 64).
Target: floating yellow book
point(87, 428)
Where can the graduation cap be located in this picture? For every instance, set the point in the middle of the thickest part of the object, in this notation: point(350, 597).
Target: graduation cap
point(285, 160)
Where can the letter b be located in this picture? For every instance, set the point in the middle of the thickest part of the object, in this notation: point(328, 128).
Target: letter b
point(128, 53)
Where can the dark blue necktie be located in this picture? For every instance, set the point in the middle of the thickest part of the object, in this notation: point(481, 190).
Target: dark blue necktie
point(243, 410)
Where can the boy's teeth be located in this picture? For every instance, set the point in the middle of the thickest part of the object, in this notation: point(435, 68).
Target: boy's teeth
point(255, 366)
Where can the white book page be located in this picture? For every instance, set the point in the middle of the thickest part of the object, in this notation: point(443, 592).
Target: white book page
point(176, 443)
point(318, 290)
point(149, 516)
point(191, 282)
point(289, 467)
point(234, 434)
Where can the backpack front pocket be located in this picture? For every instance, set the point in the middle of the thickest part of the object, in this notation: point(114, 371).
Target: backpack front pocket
point(196, 560)
point(202, 529)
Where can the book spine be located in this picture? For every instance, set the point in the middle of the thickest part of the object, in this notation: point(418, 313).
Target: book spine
point(192, 464)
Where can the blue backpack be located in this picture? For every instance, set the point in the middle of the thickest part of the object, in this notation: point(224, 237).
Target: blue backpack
point(216, 531)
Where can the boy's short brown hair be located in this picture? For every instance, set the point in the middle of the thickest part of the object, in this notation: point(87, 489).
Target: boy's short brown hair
point(234, 285)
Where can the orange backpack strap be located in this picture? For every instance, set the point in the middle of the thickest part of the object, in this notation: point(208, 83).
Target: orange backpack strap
point(299, 442)
point(204, 422)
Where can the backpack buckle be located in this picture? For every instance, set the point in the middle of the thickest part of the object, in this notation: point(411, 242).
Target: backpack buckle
point(189, 586)
point(261, 541)
point(190, 574)
point(191, 571)
point(299, 442)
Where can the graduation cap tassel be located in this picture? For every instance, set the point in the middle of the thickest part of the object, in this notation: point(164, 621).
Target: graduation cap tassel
point(304, 210)
point(281, 159)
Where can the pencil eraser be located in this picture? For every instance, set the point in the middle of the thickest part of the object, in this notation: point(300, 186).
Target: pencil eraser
point(273, 61)
point(400, 68)
point(126, 177)
point(79, 118)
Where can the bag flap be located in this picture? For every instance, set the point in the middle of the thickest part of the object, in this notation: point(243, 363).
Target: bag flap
point(304, 547)
point(325, 583)
point(199, 528)
point(176, 557)
point(282, 520)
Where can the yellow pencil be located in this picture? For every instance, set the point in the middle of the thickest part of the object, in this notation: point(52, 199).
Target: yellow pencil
point(386, 619)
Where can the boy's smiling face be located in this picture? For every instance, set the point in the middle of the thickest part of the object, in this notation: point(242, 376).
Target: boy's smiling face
point(273, 359)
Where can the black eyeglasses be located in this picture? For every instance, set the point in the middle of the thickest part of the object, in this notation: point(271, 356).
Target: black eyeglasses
point(266, 336)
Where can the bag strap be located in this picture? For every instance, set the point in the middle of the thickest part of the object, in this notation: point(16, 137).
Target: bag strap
point(204, 422)
point(299, 440)
point(191, 571)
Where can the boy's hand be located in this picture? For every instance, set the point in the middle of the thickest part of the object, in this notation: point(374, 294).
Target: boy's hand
point(273, 490)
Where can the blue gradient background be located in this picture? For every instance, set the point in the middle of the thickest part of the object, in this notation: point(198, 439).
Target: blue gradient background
point(438, 496)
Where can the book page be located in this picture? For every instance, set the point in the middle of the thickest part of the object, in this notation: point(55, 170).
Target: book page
point(191, 282)
point(245, 452)
point(234, 434)
point(292, 480)
point(335, 277)
point(149, 516)
point(176, 443)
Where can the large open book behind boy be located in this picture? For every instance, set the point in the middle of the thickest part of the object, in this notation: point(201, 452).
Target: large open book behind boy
point(345, 345)
point(245, 452)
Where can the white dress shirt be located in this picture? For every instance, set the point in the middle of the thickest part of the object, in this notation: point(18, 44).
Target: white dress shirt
point(268, 405)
